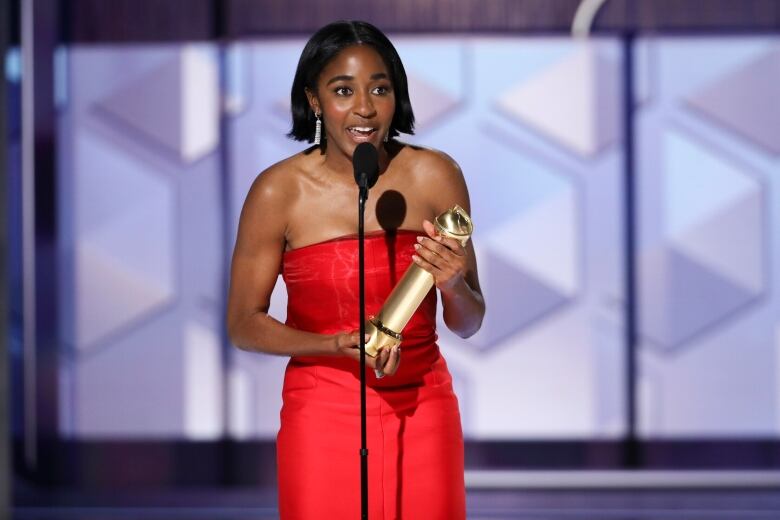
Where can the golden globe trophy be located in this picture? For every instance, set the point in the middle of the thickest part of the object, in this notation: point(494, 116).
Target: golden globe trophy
point(385, 328)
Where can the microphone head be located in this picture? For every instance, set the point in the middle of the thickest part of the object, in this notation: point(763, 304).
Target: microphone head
point(365, 162)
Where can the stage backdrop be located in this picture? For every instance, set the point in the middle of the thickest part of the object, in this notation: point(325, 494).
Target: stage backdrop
point(708, 155)
point(152, 182)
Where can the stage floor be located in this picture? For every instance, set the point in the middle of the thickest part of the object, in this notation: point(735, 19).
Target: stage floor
point(482, 504)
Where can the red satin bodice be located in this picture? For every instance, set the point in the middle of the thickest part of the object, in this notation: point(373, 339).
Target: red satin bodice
point(322, 291)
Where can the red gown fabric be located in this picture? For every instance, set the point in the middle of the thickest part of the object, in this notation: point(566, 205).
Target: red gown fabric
point(415, 442)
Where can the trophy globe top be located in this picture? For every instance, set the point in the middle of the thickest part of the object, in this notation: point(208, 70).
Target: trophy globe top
point(455, 223)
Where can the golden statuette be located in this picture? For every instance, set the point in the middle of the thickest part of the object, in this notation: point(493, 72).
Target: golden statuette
point(385, 328)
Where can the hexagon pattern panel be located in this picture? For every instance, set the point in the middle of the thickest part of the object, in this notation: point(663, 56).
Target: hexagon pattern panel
point(142, 244)
point(709, 178)
point(148, 219)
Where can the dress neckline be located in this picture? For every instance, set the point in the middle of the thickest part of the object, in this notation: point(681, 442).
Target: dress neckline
point(353, 236)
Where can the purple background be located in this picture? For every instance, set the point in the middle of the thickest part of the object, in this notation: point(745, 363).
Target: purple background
point(145, 203)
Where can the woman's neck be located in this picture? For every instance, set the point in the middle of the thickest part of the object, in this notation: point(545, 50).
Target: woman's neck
point(341, 164)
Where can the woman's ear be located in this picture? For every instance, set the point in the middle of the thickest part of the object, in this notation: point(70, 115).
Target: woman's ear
point(314, 103)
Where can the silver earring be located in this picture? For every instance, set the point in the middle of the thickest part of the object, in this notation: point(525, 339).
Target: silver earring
point(317, 129)
point(387, 136)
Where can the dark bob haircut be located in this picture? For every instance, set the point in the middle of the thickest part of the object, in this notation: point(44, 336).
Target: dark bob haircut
point(323, 46)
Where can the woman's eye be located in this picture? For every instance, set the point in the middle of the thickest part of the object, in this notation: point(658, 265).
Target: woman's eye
point(381, 90)
point(342, 91)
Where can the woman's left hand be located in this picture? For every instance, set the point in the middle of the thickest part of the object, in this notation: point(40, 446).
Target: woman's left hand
point(443, 257)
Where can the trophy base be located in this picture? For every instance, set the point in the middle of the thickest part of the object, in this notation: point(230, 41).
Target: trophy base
point(381, 337)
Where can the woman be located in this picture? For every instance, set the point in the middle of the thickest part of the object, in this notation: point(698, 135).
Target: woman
point(300, 219)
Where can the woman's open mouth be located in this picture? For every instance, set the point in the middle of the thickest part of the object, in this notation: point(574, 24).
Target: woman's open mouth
point(361, 133)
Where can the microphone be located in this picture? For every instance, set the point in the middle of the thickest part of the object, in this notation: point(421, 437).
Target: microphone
point(365, 162)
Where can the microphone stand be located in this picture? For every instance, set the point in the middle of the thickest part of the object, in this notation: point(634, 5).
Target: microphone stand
point(366, 165)
point(362, 197)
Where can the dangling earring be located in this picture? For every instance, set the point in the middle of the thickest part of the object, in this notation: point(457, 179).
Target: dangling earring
point(387, 136)
point(317, 129)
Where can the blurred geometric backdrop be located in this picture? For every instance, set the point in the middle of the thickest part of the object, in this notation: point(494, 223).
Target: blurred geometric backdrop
point(149, 206)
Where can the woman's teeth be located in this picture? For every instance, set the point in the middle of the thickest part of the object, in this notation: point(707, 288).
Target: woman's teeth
point(361, 130)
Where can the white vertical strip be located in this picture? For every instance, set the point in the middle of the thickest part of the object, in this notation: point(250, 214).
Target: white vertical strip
point(235, 88)
point(240, 425)
point(202, 384)
point(199, 102)
point(28, 234)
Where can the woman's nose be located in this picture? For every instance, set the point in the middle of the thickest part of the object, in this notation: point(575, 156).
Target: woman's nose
point(364, 105)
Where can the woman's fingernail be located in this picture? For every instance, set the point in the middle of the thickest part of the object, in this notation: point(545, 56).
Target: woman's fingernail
point(420, 239)
point(416, 258)
point(417, 247)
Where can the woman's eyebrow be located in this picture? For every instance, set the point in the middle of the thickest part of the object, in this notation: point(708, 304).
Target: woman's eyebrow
point(343, 77)
point(346, 77)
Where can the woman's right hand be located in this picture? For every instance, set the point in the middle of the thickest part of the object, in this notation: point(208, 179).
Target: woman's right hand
point(386, 361)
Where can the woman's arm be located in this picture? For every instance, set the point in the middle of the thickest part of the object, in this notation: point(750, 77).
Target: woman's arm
point(454, 268)
point(254, 270)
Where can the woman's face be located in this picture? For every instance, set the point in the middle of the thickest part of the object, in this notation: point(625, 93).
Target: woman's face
point(355, 98)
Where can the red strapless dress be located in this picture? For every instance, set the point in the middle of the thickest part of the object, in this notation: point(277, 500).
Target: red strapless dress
point(415, 442)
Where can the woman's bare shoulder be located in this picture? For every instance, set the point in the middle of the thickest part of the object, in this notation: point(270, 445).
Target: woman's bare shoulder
point(430, 168)
point(429, 164)
point(279, 182)
point(265, 215)
point(436, 177)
